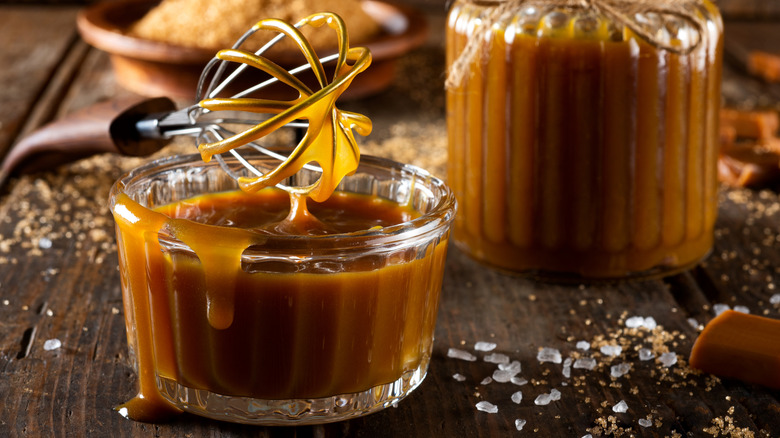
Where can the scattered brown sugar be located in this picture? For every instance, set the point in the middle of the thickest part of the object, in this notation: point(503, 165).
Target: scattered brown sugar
point(212, 24)
point(764, 65)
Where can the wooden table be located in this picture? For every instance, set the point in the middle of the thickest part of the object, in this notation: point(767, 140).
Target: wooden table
point(59, 280)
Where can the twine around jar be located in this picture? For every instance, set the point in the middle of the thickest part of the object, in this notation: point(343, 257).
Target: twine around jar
point(621, 12)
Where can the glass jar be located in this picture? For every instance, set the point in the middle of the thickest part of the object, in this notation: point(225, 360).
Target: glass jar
point(277, 329)
point(582, 146)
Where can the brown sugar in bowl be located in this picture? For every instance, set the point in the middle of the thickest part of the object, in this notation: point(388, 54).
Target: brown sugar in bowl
point(154, 68)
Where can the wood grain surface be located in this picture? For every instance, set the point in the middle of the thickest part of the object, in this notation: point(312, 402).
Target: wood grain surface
point(59, 280)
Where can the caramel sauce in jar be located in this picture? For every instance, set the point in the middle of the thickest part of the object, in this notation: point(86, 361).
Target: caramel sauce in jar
point(248, 307)
point(579, 149)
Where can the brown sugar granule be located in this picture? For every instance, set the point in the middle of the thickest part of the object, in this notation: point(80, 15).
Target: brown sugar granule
point(213, 24)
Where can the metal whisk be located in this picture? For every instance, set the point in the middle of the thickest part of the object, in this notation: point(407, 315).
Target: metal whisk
point(328, 137)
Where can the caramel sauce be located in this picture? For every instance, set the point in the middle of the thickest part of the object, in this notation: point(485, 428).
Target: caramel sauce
point(205, 322)
point(572, 152)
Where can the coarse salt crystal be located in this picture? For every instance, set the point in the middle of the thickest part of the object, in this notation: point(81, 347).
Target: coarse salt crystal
point(460, 354)
point(519, 381)
point(587, 436)
point(555, 395)
point(719, 308)
point(646, 354)
point(484, 346)
point(619, 370)
point(502, 376)
point(542, 400)
point(668, 359)
point(611, 350)
point(486, 381)
point(741, 309)
point(566, 367)
point(517, 397)
point(497, 358)
point(459, 377)
point(644, 422)
point(693, 323)
point(650, 323)
point(513, 366)
point(52, 344)
point(587, 363)
point(774, 299)
point(583, 345)
point(519, 424)
point(547, 354)
point(635, 321)
point(44, 243)
point(488, 407)
point(620, 407)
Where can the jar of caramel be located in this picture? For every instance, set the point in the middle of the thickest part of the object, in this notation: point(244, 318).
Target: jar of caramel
point(583, 135)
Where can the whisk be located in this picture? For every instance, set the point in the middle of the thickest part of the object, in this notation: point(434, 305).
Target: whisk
point(149, 125)
point(328, 138)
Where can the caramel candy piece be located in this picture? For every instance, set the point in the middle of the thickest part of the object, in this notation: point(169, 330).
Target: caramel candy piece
point(740, 346)
point(750, 124)
point(764, 65)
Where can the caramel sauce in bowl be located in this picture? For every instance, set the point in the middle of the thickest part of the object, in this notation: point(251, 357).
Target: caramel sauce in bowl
point(239, 309)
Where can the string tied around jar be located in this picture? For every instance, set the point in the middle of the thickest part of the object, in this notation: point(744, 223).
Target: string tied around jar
point(631, 14)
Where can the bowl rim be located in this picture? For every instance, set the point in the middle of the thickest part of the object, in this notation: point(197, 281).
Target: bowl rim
point(96, 28)
point(434, 222)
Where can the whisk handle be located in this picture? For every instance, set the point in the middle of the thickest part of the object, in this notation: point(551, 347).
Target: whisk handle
point(96, 129)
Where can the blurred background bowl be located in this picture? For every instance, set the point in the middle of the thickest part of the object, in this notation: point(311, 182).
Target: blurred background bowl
point(154, 68)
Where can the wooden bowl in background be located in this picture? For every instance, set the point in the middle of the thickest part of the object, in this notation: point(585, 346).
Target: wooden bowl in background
point(153, 68)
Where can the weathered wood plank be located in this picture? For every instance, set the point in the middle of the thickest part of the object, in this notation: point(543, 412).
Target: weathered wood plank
point(34, 42)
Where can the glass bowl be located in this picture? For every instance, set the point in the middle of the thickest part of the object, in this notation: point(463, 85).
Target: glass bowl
point(318, 328)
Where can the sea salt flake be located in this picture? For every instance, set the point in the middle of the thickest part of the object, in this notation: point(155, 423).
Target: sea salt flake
point(484, 346)
point(741, 309)
point(646, 354)
point(583, 345)
point(774, 299)
point(567, 367)
point(519, 424)
point(717, 309)
point(460, 354)
point(517, 397)
point(502, 376)
point(519, 381)
point(611, 350)
point(587, 363)
point(547, 354)
point(542, 400)
point(513, 366)
point(644, 422)
point(52, 344)
point(459, 377)
point(668, 359)
point(497, 358)
point(488, 407)
point(486, 381)
point(620, 407)
point(619, 370)
point(635, 322)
